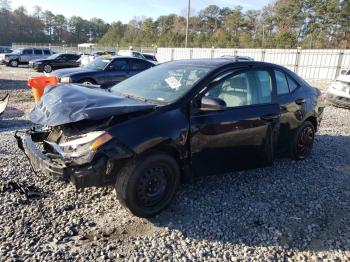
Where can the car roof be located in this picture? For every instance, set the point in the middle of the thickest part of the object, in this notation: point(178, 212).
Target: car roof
point(222, 61)
point(128, 57)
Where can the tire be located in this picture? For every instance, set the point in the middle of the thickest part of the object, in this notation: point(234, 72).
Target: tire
point(47, 68)
point(87, 82)
point(147, 184)
point(303, 141)
point(13, 63)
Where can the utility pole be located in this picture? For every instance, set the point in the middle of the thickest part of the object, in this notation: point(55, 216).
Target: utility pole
point(187, 21)
point(263, 36)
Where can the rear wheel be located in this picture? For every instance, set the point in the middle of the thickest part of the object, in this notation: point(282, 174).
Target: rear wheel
point(47, 68)
point(148, 183)
point(14, 63)
point(303, 141)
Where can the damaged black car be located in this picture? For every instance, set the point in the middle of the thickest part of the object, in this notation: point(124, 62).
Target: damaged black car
point(169, 124)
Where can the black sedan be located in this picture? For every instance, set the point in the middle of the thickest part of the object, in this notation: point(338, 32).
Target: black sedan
point(54, 62)
point(170, 123)
point(104, 71)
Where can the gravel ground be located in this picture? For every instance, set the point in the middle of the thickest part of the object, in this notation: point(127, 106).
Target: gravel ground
point(291, 211)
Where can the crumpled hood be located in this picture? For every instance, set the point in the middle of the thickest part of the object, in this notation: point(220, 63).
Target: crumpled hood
point(68, 103)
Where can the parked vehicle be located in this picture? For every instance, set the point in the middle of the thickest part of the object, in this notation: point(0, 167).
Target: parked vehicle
point(104, 53)
point(131, 53)
point(104, 71)
point(150, 57)
point(174, 121)
point(3, 103)
point(54, 62)
point(339, 91)
point(24, 55)
point(5, 49)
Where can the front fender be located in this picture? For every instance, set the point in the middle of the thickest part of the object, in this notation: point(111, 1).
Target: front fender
point(155, 129)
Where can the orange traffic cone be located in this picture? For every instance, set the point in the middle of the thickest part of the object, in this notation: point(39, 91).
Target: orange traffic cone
point(38, 84)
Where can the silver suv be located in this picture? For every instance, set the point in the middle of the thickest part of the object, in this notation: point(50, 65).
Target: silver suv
point(24, 55)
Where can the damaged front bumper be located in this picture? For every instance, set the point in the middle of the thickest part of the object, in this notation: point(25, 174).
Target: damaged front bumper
point(97, 173)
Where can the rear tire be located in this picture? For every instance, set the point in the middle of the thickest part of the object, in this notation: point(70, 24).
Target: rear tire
point(13, 63)
point(147, 184)
point(303, 141)
point(48, 68)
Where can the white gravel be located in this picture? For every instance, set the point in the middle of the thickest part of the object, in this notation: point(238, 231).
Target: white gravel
point(291, 211)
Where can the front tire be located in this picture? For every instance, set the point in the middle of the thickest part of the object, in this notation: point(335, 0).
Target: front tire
point(87, 82)
point(303, 141)
point(147, 184)
point(48, 68)
point(13, 63)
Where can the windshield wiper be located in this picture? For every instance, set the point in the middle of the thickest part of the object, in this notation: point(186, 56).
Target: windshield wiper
point(136, 97)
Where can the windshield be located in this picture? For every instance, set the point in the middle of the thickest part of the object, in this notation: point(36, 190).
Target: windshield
point(165, 83)
point(53, 56)
point(98, 64)
point(16, 51)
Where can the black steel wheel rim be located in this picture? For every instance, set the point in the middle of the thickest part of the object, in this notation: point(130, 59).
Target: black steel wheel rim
point(305, 141)
point(152, 185)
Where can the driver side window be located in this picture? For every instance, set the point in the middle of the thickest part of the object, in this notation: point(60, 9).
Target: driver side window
point(248, 88)
point(119, 64)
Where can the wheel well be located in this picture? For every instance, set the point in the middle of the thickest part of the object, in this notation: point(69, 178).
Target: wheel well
point(313, 121)
point(172, 151)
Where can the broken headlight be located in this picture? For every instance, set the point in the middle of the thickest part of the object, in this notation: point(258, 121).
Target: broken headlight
point(83, 146)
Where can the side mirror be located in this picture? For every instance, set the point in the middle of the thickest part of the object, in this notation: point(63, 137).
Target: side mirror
point(343, 72)
point(212, 104)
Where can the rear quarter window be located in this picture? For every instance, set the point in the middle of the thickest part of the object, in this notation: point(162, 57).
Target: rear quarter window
point(281, 83)
point(292, 84)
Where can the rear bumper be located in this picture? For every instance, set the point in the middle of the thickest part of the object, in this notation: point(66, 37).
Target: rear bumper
point(338, 100)
point(86, 175)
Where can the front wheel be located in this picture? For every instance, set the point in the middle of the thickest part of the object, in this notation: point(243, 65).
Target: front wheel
point(47, 68)
point(14, 63)
point(87, 82)
point(303, 141)
point(148, 183)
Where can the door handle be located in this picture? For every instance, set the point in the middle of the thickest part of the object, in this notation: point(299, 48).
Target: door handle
point(270, 117)
point(300, 101)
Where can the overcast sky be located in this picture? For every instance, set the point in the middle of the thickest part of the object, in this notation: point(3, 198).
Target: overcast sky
point(125, 10)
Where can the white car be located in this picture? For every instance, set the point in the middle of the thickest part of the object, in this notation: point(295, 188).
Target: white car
point(339, 90)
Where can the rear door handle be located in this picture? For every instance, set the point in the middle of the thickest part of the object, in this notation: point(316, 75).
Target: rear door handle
point(300, 101)
point(270, 117)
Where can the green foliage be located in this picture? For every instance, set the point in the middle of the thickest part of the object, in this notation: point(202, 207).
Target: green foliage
point(282, 24)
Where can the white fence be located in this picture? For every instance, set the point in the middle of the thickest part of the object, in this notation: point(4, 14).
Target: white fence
point(310, 64)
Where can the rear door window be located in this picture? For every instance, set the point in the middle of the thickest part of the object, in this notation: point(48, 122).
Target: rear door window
point(38, 52)
point(139, 65)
